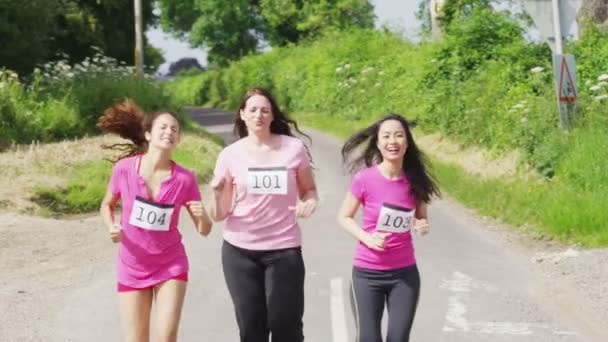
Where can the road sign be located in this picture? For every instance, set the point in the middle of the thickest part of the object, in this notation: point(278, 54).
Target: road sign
point(565, 82)
point(541, 12)
point(565, 77)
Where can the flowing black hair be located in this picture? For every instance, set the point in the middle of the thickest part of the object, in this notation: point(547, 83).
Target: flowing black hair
point(423, 184)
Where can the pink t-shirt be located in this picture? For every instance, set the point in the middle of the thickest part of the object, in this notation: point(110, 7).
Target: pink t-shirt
point(260, 220)
point(146, 256)
point(373, 190)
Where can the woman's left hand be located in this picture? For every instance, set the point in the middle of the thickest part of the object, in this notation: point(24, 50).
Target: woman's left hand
point(422, 227)
point(196, 208)
point(306, 208)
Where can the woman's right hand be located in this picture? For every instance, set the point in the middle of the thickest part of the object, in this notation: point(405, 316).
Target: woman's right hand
point(115, 233)
point(375, 240)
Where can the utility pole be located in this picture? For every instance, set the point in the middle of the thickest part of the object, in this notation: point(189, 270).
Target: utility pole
point(557, 27)
point(435, 6)
point(139, 39)
point(553, 18)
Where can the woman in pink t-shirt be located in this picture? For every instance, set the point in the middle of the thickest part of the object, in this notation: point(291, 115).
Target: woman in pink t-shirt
point(394, 187)
point(152, 262)
point(257, 183)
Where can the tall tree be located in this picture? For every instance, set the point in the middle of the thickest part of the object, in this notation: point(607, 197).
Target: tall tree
point(24, 27)
point(35, 31)
point(234, 29)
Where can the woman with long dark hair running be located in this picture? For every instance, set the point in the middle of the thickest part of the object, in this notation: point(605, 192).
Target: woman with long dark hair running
point(263, 182)
point(393, 185)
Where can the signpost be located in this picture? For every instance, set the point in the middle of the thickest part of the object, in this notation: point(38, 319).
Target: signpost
point(554, 19)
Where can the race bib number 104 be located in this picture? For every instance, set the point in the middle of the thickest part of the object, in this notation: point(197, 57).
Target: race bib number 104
point(395, 219)
point(151, 216)
point(267, 180)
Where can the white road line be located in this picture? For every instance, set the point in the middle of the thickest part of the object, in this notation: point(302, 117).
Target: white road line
point(461, 286)
point(338, 317)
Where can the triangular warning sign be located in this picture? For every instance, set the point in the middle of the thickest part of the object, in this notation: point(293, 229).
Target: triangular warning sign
point(567, 87)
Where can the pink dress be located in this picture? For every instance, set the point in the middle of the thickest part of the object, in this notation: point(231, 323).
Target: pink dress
point(151, 249)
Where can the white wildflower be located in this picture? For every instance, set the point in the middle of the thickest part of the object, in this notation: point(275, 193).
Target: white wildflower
point(378, 84)
point(601, 97)
point(518, 106)
point(381, 73)
point(536, 70)
point(346, 66)
point(338, 69)
point(595, 88)
point(602, 77)
point(523, 120)
point(1, 85)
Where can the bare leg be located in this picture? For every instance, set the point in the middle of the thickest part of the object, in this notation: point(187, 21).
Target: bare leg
point(135, 309)
point(168, 309)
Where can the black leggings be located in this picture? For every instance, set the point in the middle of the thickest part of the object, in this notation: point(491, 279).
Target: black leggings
point(267, 290)
point(399, 289)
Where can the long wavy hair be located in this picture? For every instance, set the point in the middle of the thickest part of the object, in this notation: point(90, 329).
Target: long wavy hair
point(281, 123)
point(127, 120)
point(423, 184)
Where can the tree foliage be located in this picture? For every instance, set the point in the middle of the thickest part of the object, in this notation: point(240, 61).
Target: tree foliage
point(231, 30)
point(36, 31)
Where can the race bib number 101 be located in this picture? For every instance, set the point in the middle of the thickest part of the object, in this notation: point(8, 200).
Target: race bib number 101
point(267, 180)
point(151, 216)
point(395, 219)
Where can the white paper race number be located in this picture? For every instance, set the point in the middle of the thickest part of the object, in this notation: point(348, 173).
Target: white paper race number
point(395, 219)
point(267, 180)
point(151, 216)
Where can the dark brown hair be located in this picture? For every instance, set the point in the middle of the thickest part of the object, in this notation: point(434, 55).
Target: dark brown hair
point(128, 121)
point(281, 123)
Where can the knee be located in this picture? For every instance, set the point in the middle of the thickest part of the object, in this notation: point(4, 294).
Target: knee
point(137, 335)
point(166, 334)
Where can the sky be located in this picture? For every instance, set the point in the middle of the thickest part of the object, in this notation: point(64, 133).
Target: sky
point(399, 14)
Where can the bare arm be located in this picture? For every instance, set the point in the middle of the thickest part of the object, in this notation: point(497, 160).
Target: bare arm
point(307, 191)
point(421, 224)
point(222, 195)
point(422, 211)
point(199, 216)
point(108, 205)
point(346, 219)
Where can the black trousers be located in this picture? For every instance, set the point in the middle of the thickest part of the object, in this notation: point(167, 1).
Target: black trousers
point(267, 290)
point(371, 289)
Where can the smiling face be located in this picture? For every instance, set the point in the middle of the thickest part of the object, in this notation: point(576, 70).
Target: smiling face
point(257, 114)
point(165, 133)
point(392, 140)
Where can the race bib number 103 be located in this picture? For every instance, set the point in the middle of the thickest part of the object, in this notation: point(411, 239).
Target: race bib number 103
point(395, 219)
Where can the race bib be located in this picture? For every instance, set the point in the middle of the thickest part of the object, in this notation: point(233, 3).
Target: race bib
point(267, 180)
point(395, 219)
point(151, 216)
